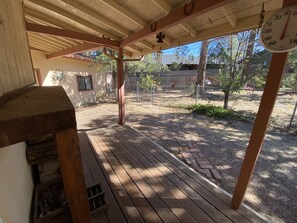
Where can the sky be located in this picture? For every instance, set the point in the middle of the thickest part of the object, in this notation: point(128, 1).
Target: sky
point(194, 49)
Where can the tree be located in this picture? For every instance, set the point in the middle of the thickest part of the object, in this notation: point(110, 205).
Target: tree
point(202, 66)
point(291, 80)
point(181, 53)
point(148, 82)
point(231, 52)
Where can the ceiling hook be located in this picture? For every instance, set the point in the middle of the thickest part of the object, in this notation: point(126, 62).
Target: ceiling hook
point(186, 11)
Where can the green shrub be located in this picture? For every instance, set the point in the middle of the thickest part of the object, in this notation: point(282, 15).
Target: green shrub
point(213, 111)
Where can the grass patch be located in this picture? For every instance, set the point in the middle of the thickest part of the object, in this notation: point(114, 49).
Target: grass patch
point(213, 111)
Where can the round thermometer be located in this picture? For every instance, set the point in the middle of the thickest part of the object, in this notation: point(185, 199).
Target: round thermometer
point(279, 33)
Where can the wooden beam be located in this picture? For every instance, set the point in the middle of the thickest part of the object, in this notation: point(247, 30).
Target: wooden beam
point(73, 17)
point(166, 8)
point(174, 18)
point(147, 44)
point(47, 19)
point(273, 82)
point(75, 49)
point(70, 34)
point(46, 40)
point(189, 29)
point(227, 11)
point(270, 92)
point(42, 42)
point(101, 19)
point(247, 23)
point(125, 12)
point(121, 87)
point(37, 49)
point(72, 173)
point(35, 45)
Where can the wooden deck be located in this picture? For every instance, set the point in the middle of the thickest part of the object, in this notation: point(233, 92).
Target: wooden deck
point(145, 183)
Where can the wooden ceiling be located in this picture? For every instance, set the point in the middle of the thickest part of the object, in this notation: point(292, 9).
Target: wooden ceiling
point(61, 27)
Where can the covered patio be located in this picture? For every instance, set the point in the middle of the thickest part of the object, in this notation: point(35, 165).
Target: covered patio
point(145, 182)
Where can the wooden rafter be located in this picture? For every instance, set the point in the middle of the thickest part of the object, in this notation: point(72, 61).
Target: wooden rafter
point(46, 40)
point(147, 44)
point(98, 17)
point(227, 11)
point(167, 9)
point(41, 42)
point(70, 34)
point(74, 18)
point(247, 23)
point(40, 46)
point(125, 12)
point(47, 18)
point(175, 17)
point(74, 49)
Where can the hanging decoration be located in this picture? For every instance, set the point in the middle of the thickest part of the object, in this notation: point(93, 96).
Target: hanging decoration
point(188, 11)
point(160, 36)
point(262, 15)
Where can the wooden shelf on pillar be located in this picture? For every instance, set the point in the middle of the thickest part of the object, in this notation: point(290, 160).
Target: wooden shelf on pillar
point(40, 111)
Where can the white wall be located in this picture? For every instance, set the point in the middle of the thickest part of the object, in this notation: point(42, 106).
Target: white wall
point(16, 185)
point(70, 68)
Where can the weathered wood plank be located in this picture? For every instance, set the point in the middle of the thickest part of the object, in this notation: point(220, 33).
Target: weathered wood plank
point(7, 62)
point(174, 199)
point(133, 191)
point(128, 207)
point(152, 197)
point(37, 112)
point(156, 173)
point(216, 194)
point(94, 176)
point(72, 174)
point(203, 207)
point(41, 152)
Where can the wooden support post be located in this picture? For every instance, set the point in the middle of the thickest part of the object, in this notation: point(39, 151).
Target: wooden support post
point(72, 174)
point(121, 87)
point(270, 92)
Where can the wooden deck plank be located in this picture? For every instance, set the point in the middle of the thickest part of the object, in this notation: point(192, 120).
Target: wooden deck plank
point(131, 190)
point(152, 197)
point(131, 212)
point(141, 203)
point(216, 195)
point(94, 175)
point(153, 178)
point(200, 201)
point(168, 192)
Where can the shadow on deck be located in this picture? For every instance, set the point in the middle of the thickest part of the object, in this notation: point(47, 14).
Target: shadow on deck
point(145, 183)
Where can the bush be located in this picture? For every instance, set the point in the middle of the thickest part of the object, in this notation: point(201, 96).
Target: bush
point(213, 111)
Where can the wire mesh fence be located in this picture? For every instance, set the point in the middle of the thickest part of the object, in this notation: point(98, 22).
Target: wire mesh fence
point(246, 101)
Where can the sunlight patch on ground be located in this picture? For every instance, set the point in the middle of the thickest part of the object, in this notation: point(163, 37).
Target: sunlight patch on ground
point(253, 198)
point(240, 154)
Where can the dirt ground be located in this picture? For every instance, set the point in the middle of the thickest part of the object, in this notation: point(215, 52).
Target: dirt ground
point(272, 190)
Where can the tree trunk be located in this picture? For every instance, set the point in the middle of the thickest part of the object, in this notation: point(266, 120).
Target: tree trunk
point(226, 99)
point(248, 55)
point(202, 66)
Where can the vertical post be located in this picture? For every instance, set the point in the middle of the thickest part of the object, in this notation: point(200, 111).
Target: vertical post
point(72, 173)
point(270, 92)
point(151, 95)
point(121, 87)
point(293, 115)
point(197, 93)
point(137, 89)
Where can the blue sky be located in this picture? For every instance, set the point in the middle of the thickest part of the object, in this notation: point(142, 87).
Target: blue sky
point(194, 49)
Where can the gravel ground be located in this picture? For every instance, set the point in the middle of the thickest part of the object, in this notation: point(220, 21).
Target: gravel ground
point(272, 190)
